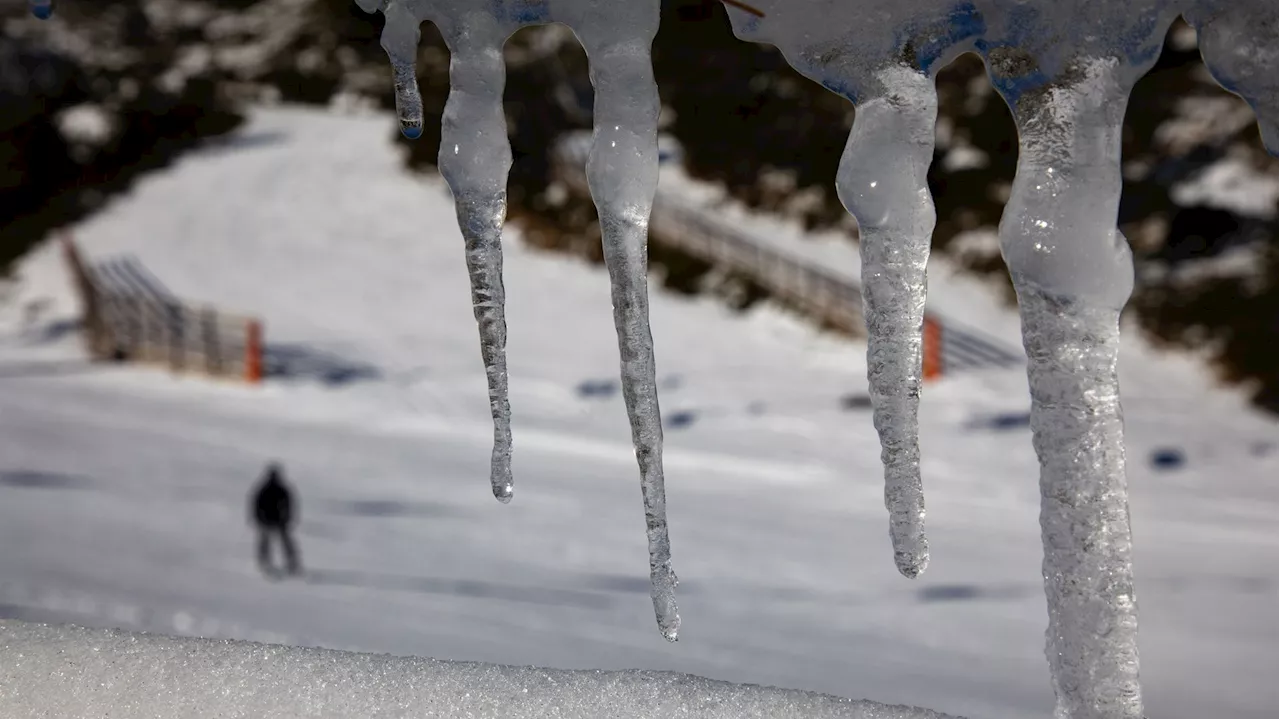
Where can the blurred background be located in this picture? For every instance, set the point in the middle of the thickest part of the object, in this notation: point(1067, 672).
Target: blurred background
point(237, 160)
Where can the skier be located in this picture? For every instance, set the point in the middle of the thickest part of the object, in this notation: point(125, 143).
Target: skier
point(272, 512)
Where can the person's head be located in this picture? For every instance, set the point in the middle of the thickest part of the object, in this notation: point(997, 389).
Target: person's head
point(275, 472)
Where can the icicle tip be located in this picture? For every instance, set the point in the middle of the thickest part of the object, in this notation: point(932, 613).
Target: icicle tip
point(411, 132)
point(43, 11)
point(503, 493)
point(911, 565)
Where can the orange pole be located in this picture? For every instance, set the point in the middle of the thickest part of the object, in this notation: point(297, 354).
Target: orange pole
point(932, 350)
point(253, 352)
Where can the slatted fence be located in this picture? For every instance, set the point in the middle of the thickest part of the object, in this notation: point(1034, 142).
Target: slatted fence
point(129, 316)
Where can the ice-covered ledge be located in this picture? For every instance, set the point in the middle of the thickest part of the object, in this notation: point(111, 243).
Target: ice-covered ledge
point(67, 671)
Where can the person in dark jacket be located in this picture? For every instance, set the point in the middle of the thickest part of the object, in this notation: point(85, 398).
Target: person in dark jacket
point(272, 511)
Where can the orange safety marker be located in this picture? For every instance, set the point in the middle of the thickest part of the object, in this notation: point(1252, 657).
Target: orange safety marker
point(253, 352)
point(932, 350)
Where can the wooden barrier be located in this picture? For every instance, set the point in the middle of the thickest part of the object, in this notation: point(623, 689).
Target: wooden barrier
point(131, 326)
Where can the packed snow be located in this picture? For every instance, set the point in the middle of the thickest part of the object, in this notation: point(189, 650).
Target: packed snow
point(129, 676)
point(124, 488)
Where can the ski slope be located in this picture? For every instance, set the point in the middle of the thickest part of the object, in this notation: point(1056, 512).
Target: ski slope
point(123, 490)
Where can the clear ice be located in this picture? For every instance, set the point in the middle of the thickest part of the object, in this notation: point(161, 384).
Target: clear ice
point(1065, 68)
point(622, 171)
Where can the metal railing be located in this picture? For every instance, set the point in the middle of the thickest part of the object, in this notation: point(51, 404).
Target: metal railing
point(825, 297)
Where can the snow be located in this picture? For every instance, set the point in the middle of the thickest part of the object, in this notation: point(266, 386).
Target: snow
point(134, 676)
point(123, 487)
point(85, 123)
point(1231, 184)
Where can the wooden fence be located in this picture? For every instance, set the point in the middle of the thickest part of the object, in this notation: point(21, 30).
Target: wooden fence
point(134, 324)
point(831, 300)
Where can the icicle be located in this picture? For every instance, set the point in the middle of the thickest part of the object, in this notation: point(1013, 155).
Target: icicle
point(882, 181)
point(622, 171)
point(475, 157)
point(400, 37)
point(1073, 272)
point(1238, 42)
point(42, 9)
point(887, 69)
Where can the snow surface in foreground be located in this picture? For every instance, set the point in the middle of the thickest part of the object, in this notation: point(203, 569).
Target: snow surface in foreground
point(78, 672)
point(122, 490)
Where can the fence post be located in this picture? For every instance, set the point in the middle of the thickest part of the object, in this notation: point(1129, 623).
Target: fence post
point(253, 352)
point(212, 349)
point(143, 348)
point(89, 299)
point(177, 336)
point(932, 350)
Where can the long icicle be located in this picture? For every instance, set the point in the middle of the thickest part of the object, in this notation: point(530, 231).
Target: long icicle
point(622, 171)
point(475, 157)
point(1073, 272)
point(882, 180)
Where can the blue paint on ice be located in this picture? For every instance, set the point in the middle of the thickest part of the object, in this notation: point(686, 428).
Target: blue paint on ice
point(523, 13)
point(962, 23)
point(841, 88)
point(1022, 31)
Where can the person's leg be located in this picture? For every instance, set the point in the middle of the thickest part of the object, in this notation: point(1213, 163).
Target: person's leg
point(292, 560)
point(264, 550)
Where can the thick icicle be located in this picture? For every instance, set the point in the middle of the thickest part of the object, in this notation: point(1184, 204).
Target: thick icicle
point(1073, 272)
point(887, 69)
point(622, 171)
point(882, 181)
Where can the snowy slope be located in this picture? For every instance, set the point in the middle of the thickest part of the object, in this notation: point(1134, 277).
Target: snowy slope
point(122, 490)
